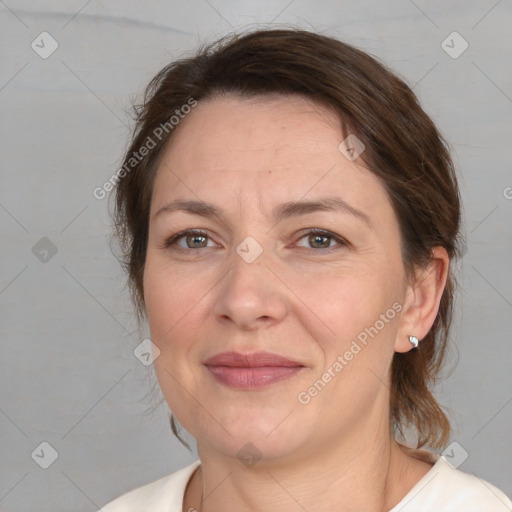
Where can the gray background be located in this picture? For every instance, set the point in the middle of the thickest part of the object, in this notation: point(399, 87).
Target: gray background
point(68, 375)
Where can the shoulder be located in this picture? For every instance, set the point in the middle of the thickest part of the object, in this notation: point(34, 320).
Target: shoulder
point(447, 489)
point(162, 495)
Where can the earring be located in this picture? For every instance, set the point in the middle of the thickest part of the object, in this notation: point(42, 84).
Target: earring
point(414, 341)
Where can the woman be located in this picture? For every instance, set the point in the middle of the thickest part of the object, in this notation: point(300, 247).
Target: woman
point(289, 214)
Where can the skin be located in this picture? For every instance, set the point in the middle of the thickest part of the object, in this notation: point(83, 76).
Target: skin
point(298, 299)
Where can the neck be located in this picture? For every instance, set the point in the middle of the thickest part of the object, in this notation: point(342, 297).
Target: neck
point(373, 475)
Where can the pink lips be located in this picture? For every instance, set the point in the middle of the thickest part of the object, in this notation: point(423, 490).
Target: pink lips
point(250, 371)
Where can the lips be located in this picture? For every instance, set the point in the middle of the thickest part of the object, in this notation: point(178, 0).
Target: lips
point(256, 360)
point(251, 371)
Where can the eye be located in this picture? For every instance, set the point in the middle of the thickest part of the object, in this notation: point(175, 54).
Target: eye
point(198, 239)
point(320, 239)
point(189, 239)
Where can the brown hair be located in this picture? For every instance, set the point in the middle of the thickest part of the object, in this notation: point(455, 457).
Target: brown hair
point(403, 148)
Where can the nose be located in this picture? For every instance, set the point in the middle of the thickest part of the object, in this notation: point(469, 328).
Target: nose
point(250, 296)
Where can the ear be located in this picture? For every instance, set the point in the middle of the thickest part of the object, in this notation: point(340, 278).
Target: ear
point(422, 299)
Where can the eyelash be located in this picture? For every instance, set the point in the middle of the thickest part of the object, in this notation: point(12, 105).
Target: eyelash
point(197, 232)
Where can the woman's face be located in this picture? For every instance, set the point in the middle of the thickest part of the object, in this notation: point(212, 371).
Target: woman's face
point(254, 176)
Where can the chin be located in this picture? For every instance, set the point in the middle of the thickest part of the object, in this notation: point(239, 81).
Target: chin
point(253, 435)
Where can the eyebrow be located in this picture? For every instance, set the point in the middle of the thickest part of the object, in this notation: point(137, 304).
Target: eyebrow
point(279, 213)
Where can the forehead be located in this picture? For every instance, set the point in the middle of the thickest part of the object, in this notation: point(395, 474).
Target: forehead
point(263, 151)
point(227, 130)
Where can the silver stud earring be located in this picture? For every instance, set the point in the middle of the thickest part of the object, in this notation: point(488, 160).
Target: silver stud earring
point(414, 341)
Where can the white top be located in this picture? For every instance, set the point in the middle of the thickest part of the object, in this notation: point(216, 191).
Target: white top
point(442, 489)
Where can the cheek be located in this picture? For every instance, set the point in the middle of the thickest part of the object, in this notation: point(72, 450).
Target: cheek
point(360, 310)
point(172, 303)
point(349, 301)
point(359, 305)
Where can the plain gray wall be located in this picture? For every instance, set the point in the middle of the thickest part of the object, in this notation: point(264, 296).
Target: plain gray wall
point(68, 375)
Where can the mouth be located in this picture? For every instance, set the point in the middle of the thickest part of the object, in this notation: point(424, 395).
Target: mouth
point(251, 371)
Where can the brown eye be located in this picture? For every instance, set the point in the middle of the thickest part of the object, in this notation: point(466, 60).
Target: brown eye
point(319, 239)
point(190, 239)
point(195, 241)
